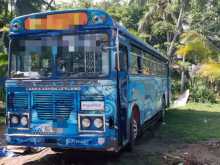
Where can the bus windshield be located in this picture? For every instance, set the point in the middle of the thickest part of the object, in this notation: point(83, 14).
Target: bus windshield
point(66, 56)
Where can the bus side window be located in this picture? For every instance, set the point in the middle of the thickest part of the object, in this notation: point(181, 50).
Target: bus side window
point(146, 64)
point(136, 60)
point(133, 65)
point(123, 58)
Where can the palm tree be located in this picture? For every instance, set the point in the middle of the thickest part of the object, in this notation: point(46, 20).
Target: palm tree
point(3, 61)
point(161, 11)
point(29, 6)
point(195, 48)
point(140, 3)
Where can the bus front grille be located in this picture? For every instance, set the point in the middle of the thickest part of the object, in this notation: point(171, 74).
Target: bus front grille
point(54, 106)
point(18, 101)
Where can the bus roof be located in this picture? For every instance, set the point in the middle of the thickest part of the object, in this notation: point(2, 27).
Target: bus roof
point(92, 19)
point(42, 21)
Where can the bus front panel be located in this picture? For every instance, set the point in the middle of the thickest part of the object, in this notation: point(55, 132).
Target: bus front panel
point(62, 114)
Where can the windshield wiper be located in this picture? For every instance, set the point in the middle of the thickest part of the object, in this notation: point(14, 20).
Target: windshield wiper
point(76, 74)
point(30, 74)
point(85, 74)
point(17, 74)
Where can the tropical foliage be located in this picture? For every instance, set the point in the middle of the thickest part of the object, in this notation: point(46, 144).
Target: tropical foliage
point(211, 71)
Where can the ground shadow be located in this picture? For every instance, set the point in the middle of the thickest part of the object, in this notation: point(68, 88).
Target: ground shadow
point(76, 157)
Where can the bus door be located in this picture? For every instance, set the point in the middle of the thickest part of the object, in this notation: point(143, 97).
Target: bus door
point(123, 81)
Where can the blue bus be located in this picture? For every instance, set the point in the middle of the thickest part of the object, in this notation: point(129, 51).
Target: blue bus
point(79, 80)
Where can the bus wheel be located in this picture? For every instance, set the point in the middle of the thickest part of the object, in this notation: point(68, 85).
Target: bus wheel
point(134, 130)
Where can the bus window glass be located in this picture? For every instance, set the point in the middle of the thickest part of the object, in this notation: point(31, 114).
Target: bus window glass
point(31, 58)
point(146, 68)
point(146, 64)
point(135, 66)
point(78, 55)
point(82, 56)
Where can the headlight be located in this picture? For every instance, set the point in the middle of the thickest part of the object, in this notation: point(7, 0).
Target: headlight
point(86, 122)
point(98, 123)
point(24, 121)
point(14, 119)
point(91, 122)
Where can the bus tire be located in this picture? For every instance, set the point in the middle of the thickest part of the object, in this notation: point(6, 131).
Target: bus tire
point(134, 132)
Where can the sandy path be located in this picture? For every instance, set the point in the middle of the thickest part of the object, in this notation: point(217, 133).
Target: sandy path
point(27, 158)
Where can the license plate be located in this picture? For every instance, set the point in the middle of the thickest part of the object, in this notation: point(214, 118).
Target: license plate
point(47, 128)
point(58, 130)
point(50, 129)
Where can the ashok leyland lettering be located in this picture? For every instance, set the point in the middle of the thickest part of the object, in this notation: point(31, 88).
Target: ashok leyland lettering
point(79, 80)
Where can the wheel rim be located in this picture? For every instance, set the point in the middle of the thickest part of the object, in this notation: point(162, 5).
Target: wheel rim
point(135, 129)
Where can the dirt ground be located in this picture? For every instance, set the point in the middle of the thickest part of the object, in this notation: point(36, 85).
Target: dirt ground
point(151, 149)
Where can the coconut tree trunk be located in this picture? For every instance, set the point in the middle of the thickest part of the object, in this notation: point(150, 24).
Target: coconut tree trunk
point(177, 32)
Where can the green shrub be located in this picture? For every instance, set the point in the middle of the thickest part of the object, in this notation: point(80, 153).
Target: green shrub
point(202, 95)
point(2, 94)
point(175, 88)
point(3, 64)
point(3, 71)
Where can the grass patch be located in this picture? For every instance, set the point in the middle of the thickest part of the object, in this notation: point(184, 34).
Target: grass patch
point(194, 122)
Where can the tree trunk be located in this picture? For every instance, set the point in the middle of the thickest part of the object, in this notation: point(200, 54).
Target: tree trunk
point(178, 31)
